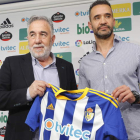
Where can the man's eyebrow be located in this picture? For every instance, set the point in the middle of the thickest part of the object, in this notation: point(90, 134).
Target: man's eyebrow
point(104, 14)
point(44, 32)
point(32, 32)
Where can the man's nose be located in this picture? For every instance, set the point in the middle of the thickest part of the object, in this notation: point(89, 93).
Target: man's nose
point(103, 20)
point(38, 39)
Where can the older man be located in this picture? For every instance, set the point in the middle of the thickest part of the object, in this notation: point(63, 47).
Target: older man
point(24, 77)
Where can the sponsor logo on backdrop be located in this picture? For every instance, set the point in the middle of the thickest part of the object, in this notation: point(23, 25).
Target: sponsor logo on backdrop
point(0, 62)
point(122, 25)
point(23, 34)
point(64, 55)
point(62, 30)
point(8, 48)
point(25, 19)
point(2, 131)
point(121, 10)
point(6, 24)
point(77, 72)
point(136, 8)
point(3, 118)
point(23, 48)
point(125, 38)
point(82, 13)
point(58, 17)
point(79, 43)
point(82, 29)
point(61, 44)
point(5, 36)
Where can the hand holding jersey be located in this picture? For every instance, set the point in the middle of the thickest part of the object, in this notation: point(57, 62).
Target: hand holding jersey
point(38, 88)
point(123, 93)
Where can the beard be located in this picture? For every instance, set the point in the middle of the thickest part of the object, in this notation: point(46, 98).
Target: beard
point(103, 35)
point(42, 54)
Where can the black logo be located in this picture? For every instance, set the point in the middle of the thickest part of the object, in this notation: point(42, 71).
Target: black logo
point(5, 36)
point(6, 24)
point(2, 131)
point(58, 17)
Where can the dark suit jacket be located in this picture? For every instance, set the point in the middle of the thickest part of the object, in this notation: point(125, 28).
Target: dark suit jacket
point(16, 76)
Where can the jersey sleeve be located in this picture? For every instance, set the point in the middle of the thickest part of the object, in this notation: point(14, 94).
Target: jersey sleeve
point(114, 124)
point(32, 119)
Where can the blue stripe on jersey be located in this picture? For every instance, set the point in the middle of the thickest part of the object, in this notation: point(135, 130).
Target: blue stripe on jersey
point(67, 118)
point(49, 112)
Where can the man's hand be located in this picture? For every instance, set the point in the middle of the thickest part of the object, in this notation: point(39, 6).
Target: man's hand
point(123, 93)
point(38, 88)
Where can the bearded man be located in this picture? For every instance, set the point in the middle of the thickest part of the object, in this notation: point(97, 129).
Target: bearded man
point(113, 66)
point(24, 77)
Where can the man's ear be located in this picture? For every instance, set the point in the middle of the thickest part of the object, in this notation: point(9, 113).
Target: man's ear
point(53, 39)
point(90, 25)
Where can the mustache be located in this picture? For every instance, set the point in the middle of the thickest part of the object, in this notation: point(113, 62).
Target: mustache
point(39, 45)
point(103, 26)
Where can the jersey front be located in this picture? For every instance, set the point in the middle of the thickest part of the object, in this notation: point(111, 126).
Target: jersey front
point(85, 114)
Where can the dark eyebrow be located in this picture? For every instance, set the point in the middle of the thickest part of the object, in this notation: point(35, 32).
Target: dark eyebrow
point(105, 14)
point(108, 14)
point(32, 32)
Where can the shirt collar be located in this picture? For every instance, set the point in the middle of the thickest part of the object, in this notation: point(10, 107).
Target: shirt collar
point(35, 61)
point(116, 40)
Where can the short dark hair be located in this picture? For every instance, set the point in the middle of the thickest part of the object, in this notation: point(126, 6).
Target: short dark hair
point(98, 2)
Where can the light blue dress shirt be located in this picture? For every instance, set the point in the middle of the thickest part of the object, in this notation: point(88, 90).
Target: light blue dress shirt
point(120, 67)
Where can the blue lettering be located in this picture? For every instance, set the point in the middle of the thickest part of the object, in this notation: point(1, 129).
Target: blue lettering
point(84, 135)
point(77, 132)
point(71, 129)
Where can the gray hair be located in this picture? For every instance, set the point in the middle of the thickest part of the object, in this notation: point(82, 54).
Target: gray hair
point(35, 18)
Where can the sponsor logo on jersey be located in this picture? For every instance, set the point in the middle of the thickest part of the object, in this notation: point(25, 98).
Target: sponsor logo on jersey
point(58, 17)
point(6, 24)
point(24, 19)
point(23, 48)
point(83, 29)
point(64, 55)
point(62, 30)
point(67, 130)
point(2, 131)
point(125, 38)
point(89, 114)
point(81, 13)
point(121, 10)
point(8, 48)
point(61, 44)
point(50, 107)
point(5, 36)
point(122, 25)
point(23, 34)
point(136, 8)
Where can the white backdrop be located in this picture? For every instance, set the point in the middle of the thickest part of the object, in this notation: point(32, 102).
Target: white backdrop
point(73, 37)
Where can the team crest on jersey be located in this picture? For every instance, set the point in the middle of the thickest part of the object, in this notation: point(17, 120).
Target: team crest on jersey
point(89, 114)
point(50, 107)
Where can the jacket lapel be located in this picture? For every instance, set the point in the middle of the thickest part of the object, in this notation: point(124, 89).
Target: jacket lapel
point(27, 69)
point(62, 73)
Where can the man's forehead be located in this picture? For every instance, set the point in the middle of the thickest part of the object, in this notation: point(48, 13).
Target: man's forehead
point(101, 10)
